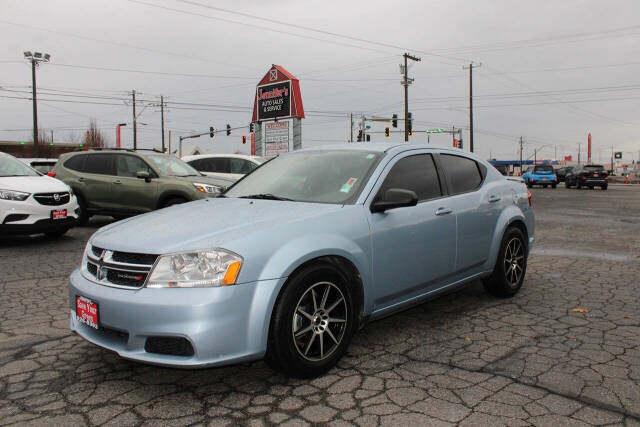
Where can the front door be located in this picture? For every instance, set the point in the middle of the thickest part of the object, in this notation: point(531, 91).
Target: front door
point(414, 248)
point(99, 171)
point(134, 194)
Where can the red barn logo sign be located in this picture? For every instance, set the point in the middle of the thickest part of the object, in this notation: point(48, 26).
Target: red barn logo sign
point(277, 96)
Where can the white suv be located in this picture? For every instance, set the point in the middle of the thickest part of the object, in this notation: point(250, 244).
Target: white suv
point(31, 202)
point(230, 166)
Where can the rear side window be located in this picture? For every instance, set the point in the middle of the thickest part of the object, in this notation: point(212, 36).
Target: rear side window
point(417, 173)
point(99, 164)
point(464, 173)
point(76, 163)
point(217, 164)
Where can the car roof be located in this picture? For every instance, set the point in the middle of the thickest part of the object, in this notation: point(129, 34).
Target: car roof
point(208, 156)
point(387, 147)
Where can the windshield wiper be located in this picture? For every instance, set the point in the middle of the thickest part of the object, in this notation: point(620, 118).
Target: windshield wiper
point(266, 197)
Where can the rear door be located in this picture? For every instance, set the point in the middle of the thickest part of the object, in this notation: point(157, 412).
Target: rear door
point(477, 208)
point(414, 247)
point(134, 194)
point(99, 171)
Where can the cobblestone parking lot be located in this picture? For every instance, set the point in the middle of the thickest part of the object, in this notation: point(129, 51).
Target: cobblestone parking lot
point(564, 351)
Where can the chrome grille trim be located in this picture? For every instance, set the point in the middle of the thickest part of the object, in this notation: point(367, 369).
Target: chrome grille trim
point(101, 261)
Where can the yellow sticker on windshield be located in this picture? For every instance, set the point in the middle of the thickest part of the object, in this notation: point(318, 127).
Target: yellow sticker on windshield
point(346, 187)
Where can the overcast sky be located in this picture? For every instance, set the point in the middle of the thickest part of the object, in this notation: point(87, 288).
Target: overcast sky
point(552, 71)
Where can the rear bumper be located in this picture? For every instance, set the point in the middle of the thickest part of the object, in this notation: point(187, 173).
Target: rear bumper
point(594, 182)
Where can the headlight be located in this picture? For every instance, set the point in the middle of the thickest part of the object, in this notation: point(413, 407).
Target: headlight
point(70, 190)
point(13, 195)
point(198, 269)
point(208, 188)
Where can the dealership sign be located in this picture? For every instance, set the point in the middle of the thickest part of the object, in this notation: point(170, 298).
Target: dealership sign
point(278, 96)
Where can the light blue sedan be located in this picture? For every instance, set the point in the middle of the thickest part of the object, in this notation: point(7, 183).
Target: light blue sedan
point(299, 254)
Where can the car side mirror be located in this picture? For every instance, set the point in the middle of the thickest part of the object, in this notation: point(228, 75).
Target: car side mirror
point(394, 198)
point(143, 175)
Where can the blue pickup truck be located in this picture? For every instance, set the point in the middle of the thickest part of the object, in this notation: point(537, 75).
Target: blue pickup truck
point(540, 175)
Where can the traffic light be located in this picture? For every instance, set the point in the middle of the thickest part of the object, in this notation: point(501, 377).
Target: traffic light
point(360, 135)
point(460, 143)
point(410, 124)
point(387, 132)
point(394, 120)
point(228, 129)
point(253, 126)
point(368, 138)
point(244, 139)
point(211, 132)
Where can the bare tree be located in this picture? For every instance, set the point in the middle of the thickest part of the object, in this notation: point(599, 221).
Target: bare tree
point(93, 137)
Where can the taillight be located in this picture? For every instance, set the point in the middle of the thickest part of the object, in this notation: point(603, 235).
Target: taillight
point(584, 178)
point(529, 198)
point(51, 174)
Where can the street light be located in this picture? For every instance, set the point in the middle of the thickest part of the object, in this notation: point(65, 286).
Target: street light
point(35, 59)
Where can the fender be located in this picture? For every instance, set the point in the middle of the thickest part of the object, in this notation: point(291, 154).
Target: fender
point(510, 214)
point(286, 259)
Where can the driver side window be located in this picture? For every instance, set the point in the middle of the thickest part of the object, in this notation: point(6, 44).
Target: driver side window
point(129, 166)
point(416, 173)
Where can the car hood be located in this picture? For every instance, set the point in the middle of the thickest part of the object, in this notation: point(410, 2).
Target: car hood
point(33, 184)
point(203, 224)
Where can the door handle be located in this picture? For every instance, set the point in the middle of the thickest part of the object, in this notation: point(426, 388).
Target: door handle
point(117, 182)
point(443, 211)
point(81, 179)
point(493, 199)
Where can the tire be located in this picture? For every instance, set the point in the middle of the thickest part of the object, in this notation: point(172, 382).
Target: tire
point(529, 185)
point(314, 350)
point(590, 187)
point(56, 233)
point(604, 187)
point(567, 185)
point(83, 216)
point(120, 217)
point(544, 185)
point(505, 283)
point(553, 185)
point(578, 185)
point(173, 201)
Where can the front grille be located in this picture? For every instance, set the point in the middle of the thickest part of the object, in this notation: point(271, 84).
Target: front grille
point(174, 346)
point(52, 199)
point(120, 269)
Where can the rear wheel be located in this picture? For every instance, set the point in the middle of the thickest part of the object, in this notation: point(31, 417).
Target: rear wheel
point(553, 185)
point(530, 185)
point(604, 187)
point(83, 215)
point(312, 322)
point(511, 265)
point(578, 185)
point(544, 185)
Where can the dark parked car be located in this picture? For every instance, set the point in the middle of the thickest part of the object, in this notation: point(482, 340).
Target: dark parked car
point(562, 172)
point(587, 176)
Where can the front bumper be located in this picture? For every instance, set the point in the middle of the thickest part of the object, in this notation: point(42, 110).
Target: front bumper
point(33, 217)
point(223, 325)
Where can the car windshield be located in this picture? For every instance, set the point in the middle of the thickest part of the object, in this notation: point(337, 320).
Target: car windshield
point(331, 176)
point(12, 167)
point(594, 168)
point(543, 168)
point(171, 166)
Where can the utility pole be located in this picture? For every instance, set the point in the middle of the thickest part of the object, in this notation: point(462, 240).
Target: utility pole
point(162, 117)
point(521, 156)
point(470, 67)
point(351, 129)
point(406, 82)
point(535, 156)
point(35, 58)
point(135, 127)
point(578, 154)
point(169, 141)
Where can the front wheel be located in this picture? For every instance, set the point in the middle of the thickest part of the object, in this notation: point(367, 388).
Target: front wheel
point(529, 185)
point(511, 265)
point(173, 201)
point(312, 322)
